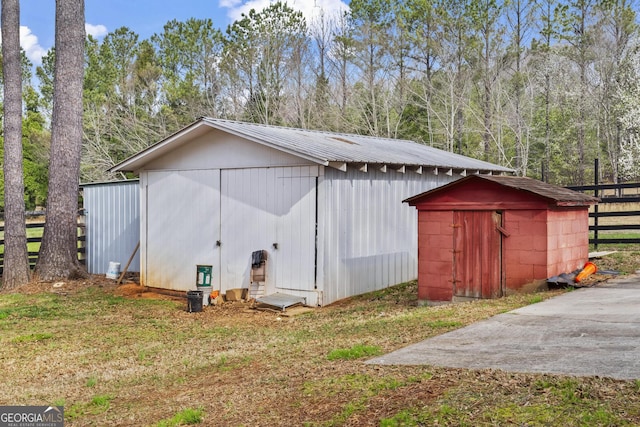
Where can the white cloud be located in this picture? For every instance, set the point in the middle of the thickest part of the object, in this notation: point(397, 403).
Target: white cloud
point(31, 46)
point(95, 30)
point(230, 4)
point(310, 8)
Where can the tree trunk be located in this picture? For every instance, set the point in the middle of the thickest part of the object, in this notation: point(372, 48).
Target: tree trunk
point(59, 252)
point(16, 258)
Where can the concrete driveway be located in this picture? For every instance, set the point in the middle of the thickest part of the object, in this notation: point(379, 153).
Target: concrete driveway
point(588, 332)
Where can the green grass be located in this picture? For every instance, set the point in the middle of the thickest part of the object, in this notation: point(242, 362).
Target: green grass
point(92, 381)
point(625, 260)
point(358, 351)
point(185, 417)
point(534, 299)
point(33, 232)
point(558, 402)
point(111, 360)
point(615, 246)
point(444, 324)
point(99, 404)
point(32, 337)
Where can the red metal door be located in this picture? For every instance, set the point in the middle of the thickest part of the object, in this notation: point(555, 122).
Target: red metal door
point(477, 254)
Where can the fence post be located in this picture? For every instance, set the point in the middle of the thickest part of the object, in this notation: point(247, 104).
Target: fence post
point(596, 172)
point(82, 236)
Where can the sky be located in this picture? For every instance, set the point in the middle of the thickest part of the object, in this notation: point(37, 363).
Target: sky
point(144, 17)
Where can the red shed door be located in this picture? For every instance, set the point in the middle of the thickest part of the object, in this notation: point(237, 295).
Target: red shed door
point(477, 254)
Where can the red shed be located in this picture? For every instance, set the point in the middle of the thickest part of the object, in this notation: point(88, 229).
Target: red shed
point(486, 236)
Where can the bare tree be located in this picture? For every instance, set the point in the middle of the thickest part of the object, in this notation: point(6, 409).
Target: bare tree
point(488, 30)
point(59, 252)
point(16, 258)
point(615, 49)
point(579, 33)
point(340, 56)
point(456, 75)
point(371, 21)
point(520, 18)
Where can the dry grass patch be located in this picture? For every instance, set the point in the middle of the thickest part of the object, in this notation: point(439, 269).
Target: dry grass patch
point(131, 360)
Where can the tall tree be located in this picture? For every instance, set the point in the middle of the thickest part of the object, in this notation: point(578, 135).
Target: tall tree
point(424, 26)
point(579, 34)
point(371, 21)
point(260, 49)
point(614, 50)
point(35, 144)
point(520, 20)
point(45, 73)
point(16, 259)
point(488, 29)
point(189, 54)
point(473, 76)
point(340, 58)
point(549, 29)
point(59, 251)
point(456, 72)
point(628, 93)
point(318, 105)
point(121, 102)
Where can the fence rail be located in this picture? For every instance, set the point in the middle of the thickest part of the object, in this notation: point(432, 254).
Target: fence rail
point(612, 195)
point(34, 239)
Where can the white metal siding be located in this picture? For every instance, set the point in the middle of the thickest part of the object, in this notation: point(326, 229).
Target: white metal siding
point(219, 150)
point(112, 215)
point(367, 238)
point(263, 208)
point(248, 218)
point(369, 235)
point(247, 210)
point(295, 232)
point(182, 212)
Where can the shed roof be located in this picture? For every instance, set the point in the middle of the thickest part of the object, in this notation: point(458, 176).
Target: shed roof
point(559, 195)
point(326, 148)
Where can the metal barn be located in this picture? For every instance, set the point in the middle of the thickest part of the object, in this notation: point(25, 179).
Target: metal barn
point(325, 208)
point(486, 236)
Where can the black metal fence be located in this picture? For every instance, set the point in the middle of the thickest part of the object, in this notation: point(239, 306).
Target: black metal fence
point(627, 216)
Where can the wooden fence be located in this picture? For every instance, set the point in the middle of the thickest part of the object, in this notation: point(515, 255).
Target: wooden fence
point(35, 227)
point(618, 210)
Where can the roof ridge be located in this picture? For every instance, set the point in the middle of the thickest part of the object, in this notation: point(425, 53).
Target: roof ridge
point(319, 131)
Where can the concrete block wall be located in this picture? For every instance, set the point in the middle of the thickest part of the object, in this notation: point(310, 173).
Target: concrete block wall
point(568, 240)
point(524, 251)
point(541, 243)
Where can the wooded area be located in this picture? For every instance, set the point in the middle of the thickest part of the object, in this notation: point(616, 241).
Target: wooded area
point(543, 87)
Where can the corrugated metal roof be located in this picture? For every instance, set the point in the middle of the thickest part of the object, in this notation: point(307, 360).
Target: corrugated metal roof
point(104, 183)
point(324, 147)
point(557, 194)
